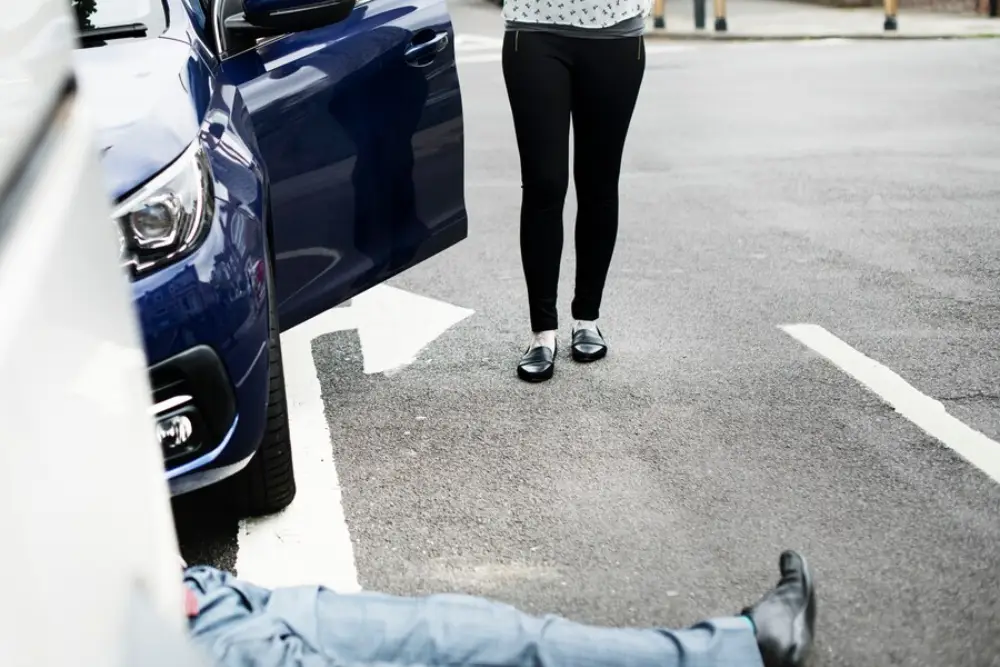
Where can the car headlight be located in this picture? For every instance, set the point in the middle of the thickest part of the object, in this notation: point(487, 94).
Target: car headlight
point(169, 216)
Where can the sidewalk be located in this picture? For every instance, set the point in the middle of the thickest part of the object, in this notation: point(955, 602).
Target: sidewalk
point(781, 19)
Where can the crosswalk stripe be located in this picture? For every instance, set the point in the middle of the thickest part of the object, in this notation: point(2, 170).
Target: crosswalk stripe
point(472, 49)
point(477, 43)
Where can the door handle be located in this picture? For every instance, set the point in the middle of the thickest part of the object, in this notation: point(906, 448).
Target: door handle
point(423, 52)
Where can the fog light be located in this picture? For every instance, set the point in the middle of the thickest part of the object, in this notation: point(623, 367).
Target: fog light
point(174, 431)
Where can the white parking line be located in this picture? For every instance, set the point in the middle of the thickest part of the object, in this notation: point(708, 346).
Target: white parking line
point(477, 42)
point(487, 54)
point(654, 49)
point(927, 413)
point(473, 49)
point(309, 541)
point(479, 58)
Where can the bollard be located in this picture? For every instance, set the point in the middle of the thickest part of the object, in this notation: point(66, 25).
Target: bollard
point(699, 14)
point(720, 15)
point(659, 18)
point(891, 7)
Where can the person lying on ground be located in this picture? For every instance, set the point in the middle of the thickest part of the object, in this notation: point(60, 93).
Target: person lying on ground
point(240, 624)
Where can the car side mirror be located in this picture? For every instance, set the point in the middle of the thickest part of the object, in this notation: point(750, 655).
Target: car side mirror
point(275, 17)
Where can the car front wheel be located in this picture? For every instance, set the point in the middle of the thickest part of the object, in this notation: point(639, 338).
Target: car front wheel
point(267, 484)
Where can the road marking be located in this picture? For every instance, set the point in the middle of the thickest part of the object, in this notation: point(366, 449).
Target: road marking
point(477, 42)
point(653, 49)
point(824, 41)
point(472, 49)
point(394, 325)
point(309, 542)
point(927, 413)
point(479, 58)
point(497, 57)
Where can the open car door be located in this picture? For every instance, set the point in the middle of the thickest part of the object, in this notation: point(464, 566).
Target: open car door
point(358, 119)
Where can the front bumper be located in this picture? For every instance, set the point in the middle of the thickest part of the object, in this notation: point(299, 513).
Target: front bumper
point(205, 326)
point(194, 408)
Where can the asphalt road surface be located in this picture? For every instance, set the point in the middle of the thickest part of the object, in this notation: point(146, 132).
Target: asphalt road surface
point(852, 186)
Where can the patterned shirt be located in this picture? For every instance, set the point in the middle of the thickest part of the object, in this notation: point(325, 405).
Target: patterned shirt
point(587, 14)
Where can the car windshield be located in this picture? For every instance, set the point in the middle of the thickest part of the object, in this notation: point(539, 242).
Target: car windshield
point(108, 15)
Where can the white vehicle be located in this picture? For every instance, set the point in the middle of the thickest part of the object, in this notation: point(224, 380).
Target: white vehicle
point(90, 570)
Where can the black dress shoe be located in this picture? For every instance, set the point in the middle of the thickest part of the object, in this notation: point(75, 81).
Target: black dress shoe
point(785, 617)
point(588, 345)
point(537, 364)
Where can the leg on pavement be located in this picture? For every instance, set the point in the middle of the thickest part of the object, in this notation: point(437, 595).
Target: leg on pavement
point(242, 624)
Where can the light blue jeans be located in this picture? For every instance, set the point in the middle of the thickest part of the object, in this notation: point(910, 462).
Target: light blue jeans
point(242, 625)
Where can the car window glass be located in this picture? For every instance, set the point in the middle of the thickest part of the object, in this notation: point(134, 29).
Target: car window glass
point(92, 14)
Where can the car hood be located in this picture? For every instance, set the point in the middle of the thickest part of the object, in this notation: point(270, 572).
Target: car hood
point(138, 96)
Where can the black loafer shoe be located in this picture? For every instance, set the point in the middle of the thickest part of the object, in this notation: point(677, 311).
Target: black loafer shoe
point(537, 364)
point(588, 345)
point(785, 617)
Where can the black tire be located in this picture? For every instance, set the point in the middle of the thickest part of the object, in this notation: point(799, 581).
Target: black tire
point(267, 484)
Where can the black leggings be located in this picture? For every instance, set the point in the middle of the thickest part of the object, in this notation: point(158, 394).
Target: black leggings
point(549, 78)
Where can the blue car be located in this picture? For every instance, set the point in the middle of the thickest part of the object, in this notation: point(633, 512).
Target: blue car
point(269, 159)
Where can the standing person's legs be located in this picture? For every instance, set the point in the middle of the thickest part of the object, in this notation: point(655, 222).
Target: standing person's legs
point(605, 88)
point(537, 74)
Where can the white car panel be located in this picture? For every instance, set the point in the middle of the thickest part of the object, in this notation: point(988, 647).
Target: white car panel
point(35, 41)
point(89, 556)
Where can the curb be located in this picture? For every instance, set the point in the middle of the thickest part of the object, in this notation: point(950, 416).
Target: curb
point(711, 36)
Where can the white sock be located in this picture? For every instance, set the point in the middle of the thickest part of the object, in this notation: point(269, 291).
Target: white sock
point(544, 339)
point(586, 324)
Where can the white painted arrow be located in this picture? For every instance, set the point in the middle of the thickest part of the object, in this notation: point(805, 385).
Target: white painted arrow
point(309, 543)
point(394, 325)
